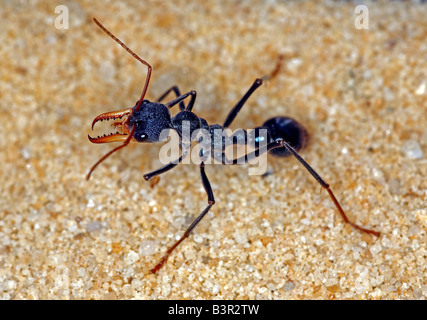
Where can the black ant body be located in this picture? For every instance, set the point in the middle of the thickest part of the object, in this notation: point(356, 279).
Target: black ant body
point(146, 121)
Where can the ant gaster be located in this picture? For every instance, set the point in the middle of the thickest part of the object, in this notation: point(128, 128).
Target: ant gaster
point(145, 121)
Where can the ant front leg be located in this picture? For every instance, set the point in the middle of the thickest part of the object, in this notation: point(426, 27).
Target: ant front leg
point(181, 98)
point(211, 202)
point(164, 169)
point(177, 93)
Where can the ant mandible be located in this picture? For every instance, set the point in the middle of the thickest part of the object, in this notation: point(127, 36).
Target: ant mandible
point(145, 121)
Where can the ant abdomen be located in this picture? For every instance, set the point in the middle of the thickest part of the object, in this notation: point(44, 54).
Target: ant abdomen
point(289, 130)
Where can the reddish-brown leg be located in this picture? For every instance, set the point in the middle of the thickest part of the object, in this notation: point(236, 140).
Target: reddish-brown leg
point(326, 186)
point(211, 202)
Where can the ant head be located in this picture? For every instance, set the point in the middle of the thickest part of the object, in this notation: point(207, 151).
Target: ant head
point(150, 121)
point(147, 122)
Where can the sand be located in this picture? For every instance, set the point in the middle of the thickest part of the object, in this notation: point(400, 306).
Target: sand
point(361, 94)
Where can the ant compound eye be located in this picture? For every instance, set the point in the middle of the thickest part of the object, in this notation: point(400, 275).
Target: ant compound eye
point(140, 137)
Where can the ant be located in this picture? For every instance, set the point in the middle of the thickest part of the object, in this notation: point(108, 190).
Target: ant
point(145, 121)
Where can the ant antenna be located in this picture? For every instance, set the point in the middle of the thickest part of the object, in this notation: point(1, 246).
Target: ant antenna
point(147, 80)
point(111, 152)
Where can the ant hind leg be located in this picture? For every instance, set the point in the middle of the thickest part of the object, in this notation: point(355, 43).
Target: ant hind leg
point(211, 202)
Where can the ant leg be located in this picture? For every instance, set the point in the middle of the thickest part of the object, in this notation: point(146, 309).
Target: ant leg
point(233, 113)
point(163, 169)
point(280, 143)
point(326, 186)
point(211, 202)
point(254, 154)
point(258, 82)
point(175, 89)
point(181, 98)
point(177, 93)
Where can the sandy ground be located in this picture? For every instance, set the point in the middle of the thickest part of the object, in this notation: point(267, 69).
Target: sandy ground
point(361, 93)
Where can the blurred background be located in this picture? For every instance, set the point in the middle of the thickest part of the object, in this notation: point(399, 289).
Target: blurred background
point(354, 76)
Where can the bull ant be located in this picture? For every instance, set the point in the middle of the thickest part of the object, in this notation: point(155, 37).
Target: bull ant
point(146, 120)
